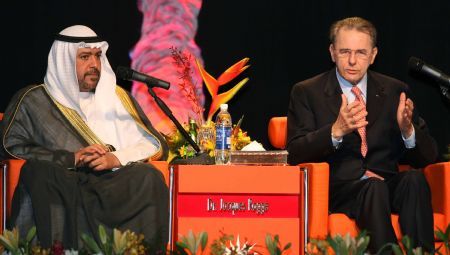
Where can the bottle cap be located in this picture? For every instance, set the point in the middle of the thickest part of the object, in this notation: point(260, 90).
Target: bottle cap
point(224, 107)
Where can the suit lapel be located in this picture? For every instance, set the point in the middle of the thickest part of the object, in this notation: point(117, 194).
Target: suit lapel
point(333, 93)
point(375, 99)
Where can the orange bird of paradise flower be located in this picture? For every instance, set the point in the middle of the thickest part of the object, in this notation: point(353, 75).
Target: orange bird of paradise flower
point(213, 84)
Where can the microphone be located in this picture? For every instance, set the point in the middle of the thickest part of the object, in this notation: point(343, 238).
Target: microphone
point(418, 65)
point(132, 75)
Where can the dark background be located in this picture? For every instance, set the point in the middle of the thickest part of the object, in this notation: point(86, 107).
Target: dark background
point(286, 41)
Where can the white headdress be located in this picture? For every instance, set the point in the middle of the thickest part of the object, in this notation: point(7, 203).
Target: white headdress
point(109, 119)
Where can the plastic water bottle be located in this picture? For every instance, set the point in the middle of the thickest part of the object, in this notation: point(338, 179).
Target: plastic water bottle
point(223, 136)
point(193, 130)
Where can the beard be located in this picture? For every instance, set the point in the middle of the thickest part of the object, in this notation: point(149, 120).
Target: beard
point(89, 81)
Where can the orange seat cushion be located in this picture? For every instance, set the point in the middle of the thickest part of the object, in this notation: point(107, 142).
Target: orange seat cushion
point(339, 223)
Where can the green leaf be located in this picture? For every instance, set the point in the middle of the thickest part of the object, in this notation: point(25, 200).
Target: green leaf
point(237, 126)
point(333, 243)
point(277, 250)
point(287, 246)
point(120, 241)
point(440, 235)
point(191, 242)
point(361, 234)
point(203, 240)
point(362, 247)
point(31, 234)
point(447, 232)
point(270, 244)
point(181, 248)
point(397, 250)
point(102, 234)
point(182, 245)
point(418, 251)
point(407, 244)
point(6, 244)
point(90, 243)
point(11, 237)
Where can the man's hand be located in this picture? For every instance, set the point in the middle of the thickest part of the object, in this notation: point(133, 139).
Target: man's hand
point(96, 150)
point(97, 157)
point(371, 174)
point(351, 117)
point(105, 162)
point(404, 115)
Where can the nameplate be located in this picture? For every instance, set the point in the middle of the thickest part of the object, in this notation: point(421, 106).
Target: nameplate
point(240, 206)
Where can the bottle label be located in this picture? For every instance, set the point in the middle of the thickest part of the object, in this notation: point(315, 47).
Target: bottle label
point(223, 138)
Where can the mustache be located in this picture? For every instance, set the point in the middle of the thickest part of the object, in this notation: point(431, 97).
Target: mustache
point(93, 71)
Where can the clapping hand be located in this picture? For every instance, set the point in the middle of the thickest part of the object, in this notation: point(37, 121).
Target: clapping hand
point(351, 117)
point(404, 115)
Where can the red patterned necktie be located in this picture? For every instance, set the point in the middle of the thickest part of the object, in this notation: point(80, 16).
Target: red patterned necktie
point(361, 130)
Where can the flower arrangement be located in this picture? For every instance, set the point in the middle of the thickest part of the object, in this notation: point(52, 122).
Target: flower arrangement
point(213, 84)
point(444, 236)
point(236, 249)
point(182, 62)
point(239, 138)
point(127, 243)
point(11, 242)
point(274, 246)
point(340, 244)
point(192, 242)
point(177, 143)
point(120, 243)
point(225, 245)
point(347, 245)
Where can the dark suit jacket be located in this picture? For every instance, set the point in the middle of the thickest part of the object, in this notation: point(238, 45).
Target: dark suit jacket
point(314, 107)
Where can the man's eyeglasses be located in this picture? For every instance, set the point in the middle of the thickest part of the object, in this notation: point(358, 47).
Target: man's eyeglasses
point(359, 54)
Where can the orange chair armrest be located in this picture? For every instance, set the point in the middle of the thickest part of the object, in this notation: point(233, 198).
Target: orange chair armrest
point(318, 177)
point(163, 167)
point(438, 177)
point(13, 167)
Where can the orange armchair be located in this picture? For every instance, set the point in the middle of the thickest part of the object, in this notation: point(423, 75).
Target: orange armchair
point(320, 223)
point(10, 178)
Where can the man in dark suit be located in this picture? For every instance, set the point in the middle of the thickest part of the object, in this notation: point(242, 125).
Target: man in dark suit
point(362, 123)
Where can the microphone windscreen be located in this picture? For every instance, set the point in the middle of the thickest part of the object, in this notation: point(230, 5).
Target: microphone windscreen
point(415, 64)
point(124, 73)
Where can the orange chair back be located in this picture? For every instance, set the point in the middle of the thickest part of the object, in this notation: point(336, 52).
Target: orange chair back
point(278, 132)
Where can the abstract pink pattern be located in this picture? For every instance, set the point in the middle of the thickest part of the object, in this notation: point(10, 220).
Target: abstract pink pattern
point(166, 24)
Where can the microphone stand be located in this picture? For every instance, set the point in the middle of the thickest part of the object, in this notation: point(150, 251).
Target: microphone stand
point(444, 91)
point(169, 114)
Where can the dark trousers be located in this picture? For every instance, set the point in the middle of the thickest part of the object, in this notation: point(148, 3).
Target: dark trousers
point(64, 204)
point(370, 203)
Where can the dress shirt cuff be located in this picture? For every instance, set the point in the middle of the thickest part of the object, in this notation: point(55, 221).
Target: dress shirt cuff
point(410, 142)
point(141, 151)
point(336, 142)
